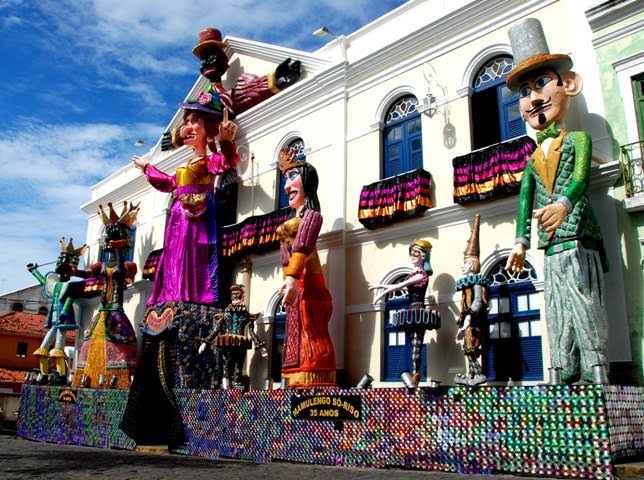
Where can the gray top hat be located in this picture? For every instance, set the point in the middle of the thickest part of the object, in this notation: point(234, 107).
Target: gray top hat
point(530, 51)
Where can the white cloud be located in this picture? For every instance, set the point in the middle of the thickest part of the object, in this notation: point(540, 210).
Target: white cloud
point(47, 172)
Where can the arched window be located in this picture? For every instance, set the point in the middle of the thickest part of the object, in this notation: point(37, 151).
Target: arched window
point(397, 345)
point(402, 138)
point(277, 344)
point(43, 311)
point(297, 146)
point(495, 109)
point(17, 307)
point(515, 326)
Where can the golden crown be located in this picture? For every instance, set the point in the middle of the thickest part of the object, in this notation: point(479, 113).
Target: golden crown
point(127, 216)
point(69, 247)
point(288, 160)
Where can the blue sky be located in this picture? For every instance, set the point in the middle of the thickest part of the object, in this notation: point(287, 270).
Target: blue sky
point(81, 81)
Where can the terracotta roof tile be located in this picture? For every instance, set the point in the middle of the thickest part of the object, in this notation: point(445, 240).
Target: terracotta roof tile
point(12, 376)
point(30, 324)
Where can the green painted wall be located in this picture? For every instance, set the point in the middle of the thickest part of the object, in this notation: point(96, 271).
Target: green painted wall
point(631, 225)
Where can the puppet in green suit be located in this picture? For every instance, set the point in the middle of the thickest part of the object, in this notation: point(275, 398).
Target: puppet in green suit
point(556, 177)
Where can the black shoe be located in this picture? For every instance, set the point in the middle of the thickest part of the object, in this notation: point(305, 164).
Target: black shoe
point(56, 379)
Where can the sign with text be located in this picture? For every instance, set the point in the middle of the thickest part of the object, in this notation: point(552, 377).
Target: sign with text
point(326, 407)
point(67, 395)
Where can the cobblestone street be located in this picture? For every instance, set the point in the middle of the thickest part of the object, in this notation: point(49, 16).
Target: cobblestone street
point(21, 459)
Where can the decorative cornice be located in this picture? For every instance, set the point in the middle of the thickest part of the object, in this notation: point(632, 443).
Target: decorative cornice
point(618, 34)
point(610, 12)
point(276, 54)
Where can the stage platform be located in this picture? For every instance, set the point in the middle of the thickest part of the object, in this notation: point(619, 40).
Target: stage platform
point(568, 431)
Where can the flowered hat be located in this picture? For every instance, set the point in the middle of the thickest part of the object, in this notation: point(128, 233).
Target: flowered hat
point(207, 101)
point(531, 52)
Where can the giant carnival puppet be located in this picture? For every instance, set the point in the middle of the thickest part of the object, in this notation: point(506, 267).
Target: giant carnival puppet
point(416, 318)
point(557, 178)
point(109, 351)
point(472, 322)
point(308, 357)
point(62, 290)
point(181, 308)
point(230, 338)
point(249, 89)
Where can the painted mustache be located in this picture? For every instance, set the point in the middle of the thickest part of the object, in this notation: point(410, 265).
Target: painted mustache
point(539, 111)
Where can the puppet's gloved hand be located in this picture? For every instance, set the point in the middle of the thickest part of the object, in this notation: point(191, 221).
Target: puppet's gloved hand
point(287, 73)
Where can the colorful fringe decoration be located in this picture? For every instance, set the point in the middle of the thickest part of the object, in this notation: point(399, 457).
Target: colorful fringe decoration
point(254, 234)
point(151, 264)
point(491, 172)
point(395, 198)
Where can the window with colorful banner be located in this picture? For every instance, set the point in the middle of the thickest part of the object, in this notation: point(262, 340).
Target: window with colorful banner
point(492, 172)
point(395, 198)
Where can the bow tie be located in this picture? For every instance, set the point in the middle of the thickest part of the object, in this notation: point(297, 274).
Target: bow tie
point(549, 132)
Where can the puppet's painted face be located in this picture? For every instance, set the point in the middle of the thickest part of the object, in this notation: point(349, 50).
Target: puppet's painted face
point(236, 297)
point(66, 264)
point(214, 63)
point(466, 268)
point(417, 256)
point(294, 189)
point(193, 131)
point(543, 99)
point(112, 233)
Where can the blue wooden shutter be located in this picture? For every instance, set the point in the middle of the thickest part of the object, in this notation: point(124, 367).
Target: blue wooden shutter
point(415, 142)
point(277, 344)
point(512, 125)
point(511, 354)
point(393, 151)
point(398, 356)
point(129, 255)
point(282, 198)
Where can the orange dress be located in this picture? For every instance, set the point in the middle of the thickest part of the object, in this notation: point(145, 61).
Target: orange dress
point(308, 358)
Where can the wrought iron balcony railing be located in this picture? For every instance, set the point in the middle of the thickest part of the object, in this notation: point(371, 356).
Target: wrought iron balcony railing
point(632, 168)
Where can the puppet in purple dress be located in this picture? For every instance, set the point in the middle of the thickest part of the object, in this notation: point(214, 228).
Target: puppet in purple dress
point(187, 271)
point(181, 308)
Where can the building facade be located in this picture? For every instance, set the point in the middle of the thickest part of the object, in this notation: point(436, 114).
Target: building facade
point(618, 38)
point(415, 98)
